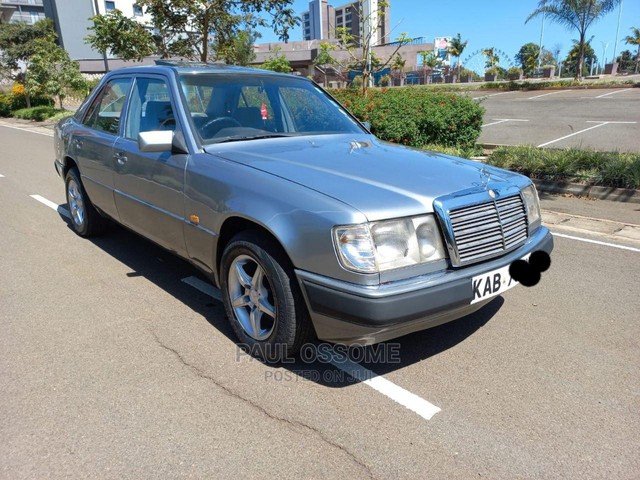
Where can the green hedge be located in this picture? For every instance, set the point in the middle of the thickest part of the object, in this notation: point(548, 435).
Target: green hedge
point(35, 113)
point(415, 116)
point(10, 103)
point(609, 169)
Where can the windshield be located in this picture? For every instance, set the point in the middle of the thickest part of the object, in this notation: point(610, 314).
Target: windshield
point(227, 108)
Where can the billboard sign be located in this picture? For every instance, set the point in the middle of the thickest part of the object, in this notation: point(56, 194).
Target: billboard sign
point(441, 49)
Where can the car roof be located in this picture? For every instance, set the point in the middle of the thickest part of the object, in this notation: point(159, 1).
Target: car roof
point(181, 67)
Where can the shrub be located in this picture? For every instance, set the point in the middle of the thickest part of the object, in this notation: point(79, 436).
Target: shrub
point(609, 169)
point(5, 105)
point(416, 116)
point(35, 113)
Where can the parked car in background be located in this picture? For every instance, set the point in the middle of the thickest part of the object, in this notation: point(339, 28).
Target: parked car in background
point(308, 224)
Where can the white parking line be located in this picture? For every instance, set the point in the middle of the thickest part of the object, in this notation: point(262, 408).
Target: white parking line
point(2, 124)
point(502, 120)
point(482, 97)
point(572, 134)
point(204, 287)
point(1, 176)
point(608, 121)
point(597, 242)
point(613, 93)
point(389, 389)
point(545, 94)
point(54, 206)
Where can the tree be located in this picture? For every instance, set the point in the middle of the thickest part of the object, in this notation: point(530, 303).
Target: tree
point(575, 15)
point(190, 28)
point(360, 47)
point(120, 35)
point(397, 67)
point(52, 73)
point(492, 58)
point(528, 55)
point(634, 39)
point(626, 61)
point(18, 43)
point(429, 61)
point(571, 60)
point(237, 51)
point(277, 63)
point(324, 59)
point(527, 58)
point(456, 47)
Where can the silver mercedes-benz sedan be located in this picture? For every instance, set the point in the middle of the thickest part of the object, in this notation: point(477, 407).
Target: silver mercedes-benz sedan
point(308, 223)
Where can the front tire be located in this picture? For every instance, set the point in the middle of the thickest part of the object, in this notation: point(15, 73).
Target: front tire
point(262, 298)
point(85, 219)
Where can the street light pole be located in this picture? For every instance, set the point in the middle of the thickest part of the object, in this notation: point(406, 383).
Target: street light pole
point(604, 55)
point(617, 32)
point(541, 37)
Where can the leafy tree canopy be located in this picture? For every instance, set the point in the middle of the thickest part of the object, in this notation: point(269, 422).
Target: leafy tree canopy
point(52, 73)
point(576, 15)
point(190, 28)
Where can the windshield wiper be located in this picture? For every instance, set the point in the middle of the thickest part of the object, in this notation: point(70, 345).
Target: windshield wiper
point(237, 138)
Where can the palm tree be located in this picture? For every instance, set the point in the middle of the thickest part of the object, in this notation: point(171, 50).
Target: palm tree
point(492, 58)
point(634, 40)
point(575, 15)
point(429, 59)
point(456, 47)
point(398, 65)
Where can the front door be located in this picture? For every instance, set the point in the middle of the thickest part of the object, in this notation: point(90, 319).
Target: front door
point(93, 146)
point(149, 186)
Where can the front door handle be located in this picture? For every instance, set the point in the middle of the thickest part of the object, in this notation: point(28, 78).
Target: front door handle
point(120, 158)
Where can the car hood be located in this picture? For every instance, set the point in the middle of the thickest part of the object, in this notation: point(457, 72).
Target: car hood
point(382, 180)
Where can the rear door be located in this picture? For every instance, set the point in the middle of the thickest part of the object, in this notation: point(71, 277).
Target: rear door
point(92, 144)
point(149, 186)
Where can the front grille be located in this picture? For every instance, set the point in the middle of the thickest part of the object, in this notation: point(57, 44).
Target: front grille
point(488, 229)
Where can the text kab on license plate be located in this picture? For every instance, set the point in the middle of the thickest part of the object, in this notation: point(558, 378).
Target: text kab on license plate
point(492, 283)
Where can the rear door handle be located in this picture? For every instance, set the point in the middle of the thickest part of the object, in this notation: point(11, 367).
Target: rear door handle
point(120, 158)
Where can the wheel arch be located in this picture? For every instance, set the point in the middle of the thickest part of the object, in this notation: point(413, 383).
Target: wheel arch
point(235, 225)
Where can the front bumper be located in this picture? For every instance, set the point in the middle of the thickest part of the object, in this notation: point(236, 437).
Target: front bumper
point(355, 314)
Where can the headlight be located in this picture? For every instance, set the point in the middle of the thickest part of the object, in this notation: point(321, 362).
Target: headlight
point(532, 205)
point(380, 246)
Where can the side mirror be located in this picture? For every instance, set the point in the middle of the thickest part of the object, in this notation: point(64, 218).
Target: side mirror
point(155, 141)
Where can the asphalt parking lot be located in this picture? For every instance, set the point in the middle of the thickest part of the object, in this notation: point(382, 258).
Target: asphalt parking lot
point(601, 119)
point(117, 362)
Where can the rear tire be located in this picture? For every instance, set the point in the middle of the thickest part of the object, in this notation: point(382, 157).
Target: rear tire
point(85, 219)
point(262, 298)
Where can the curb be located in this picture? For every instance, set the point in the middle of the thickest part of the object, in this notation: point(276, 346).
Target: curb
point(589, 191)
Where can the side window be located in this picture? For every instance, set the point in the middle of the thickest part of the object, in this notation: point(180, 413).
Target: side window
point(150, 108)
point(105, 111)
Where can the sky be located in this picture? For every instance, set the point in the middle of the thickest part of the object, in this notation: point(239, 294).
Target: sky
point(493, 23)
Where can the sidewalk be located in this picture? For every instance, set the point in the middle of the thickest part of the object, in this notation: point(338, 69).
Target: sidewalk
point(617, 221)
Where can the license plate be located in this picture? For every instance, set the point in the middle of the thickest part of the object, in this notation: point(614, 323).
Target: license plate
point(492, 283)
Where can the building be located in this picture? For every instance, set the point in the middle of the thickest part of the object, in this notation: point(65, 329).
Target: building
point(27, 11)
point(71, 21)
point(321, 20)
point(317, 22)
